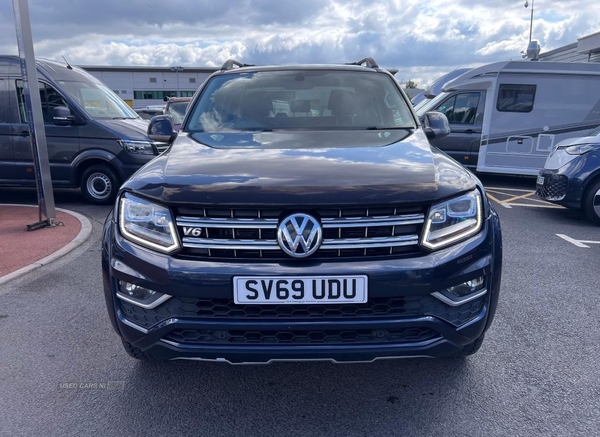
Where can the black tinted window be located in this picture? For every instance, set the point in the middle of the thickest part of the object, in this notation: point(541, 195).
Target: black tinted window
point(516, 98)
point(50, 99)
point(460, 108)
point(300, 99)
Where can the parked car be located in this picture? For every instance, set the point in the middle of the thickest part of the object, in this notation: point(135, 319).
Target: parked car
point(176, 107)
point(95, 140)
point(571, 175)
point(150, 111)
point(332, 232)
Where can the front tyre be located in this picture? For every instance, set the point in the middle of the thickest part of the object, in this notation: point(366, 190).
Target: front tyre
point(99, 185)
point(591, 202)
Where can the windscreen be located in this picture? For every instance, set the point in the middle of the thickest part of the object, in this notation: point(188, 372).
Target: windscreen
point(97, 100)
point(177, 111)
point(430, 104)
point(300, 99)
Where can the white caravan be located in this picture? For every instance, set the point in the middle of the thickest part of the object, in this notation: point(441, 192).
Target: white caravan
point(506, 117)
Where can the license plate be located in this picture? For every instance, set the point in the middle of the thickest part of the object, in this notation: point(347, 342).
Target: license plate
point(278, 290)
point(540, 180)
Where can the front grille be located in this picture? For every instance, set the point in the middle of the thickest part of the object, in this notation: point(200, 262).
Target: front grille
point(301, 337)
point(375, 308)
point(554, 187)
point(161, 147)
point(246, 233)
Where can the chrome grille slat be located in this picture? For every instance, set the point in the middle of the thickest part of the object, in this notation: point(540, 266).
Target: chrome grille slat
point(226, 222)
point(366, 243)
point(351, 222)
point(246, 233)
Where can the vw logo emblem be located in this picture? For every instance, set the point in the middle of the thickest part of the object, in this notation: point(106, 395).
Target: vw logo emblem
point(299, 235)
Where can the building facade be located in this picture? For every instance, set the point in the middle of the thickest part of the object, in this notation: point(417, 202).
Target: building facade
point(141, 87)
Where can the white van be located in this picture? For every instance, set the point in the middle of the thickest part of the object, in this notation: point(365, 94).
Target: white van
point(506, 117)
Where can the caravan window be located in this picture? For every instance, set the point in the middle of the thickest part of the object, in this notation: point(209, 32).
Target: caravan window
point(460, 108)
point(516, 98)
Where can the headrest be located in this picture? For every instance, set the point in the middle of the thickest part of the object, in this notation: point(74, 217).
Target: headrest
point(256, 105)
point(300, 105)
point(342, 102)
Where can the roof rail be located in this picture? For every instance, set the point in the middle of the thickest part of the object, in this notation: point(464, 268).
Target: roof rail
point(368, 62)
point(230, 63)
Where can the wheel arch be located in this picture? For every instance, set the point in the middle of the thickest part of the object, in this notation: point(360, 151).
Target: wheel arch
point(90, 158)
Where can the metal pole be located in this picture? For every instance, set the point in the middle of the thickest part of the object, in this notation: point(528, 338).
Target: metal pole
point(35, 119)
point(531, 21)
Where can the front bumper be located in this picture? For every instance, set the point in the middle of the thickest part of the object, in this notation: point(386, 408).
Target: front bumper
point(566, 186)
point(402, 319)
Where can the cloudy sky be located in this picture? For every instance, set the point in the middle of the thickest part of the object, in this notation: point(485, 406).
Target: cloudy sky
point(421, 38)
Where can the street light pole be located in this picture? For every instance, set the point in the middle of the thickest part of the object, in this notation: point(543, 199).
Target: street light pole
point(177, 70)
point(531, 21)
point(35, 119)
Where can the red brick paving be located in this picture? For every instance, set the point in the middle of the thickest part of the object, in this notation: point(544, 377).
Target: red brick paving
point(19, 247)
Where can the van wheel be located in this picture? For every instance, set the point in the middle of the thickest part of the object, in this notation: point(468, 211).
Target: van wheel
point(99, 184)
point(591, 202)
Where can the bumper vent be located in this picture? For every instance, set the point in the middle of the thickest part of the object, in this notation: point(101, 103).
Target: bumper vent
point(554, 187)
point(301, 337)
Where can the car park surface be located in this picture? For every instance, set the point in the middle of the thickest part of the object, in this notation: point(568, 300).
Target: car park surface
point(536, 374)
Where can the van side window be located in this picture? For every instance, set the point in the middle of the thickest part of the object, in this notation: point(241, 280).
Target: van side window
point(50, 100)
point(460, 108)
point(515, 98)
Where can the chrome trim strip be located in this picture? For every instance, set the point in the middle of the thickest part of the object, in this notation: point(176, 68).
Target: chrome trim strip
point(365, 243)
point(368, 222)
point(148, 306)
point(133, 325)
point(344, 243)
point(202, 222)
point(208, 243)
point(455, 303)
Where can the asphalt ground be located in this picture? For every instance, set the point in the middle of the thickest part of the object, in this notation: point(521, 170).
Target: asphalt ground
point(63, 370)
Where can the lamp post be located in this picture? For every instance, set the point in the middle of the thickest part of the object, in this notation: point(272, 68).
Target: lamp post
point(531, 21)
point(177, 69)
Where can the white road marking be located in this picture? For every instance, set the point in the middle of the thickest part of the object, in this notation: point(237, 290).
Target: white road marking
point(509, 203)
point(577, 243)
point(501, 189)
point(531, 205)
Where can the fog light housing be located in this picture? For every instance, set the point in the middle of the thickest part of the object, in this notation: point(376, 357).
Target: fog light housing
point(140, 296)
point(462, 293)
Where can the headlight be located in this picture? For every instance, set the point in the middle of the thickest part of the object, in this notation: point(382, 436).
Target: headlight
point(580, 149)
point(139, 147)
point(147, 223)
point(453, 220)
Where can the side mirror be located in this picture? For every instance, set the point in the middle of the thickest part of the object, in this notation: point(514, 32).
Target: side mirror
point(435, 125)
point(160, 129)
point(61, 116)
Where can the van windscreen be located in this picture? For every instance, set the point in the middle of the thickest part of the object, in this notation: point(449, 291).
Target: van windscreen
point(97, 100)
